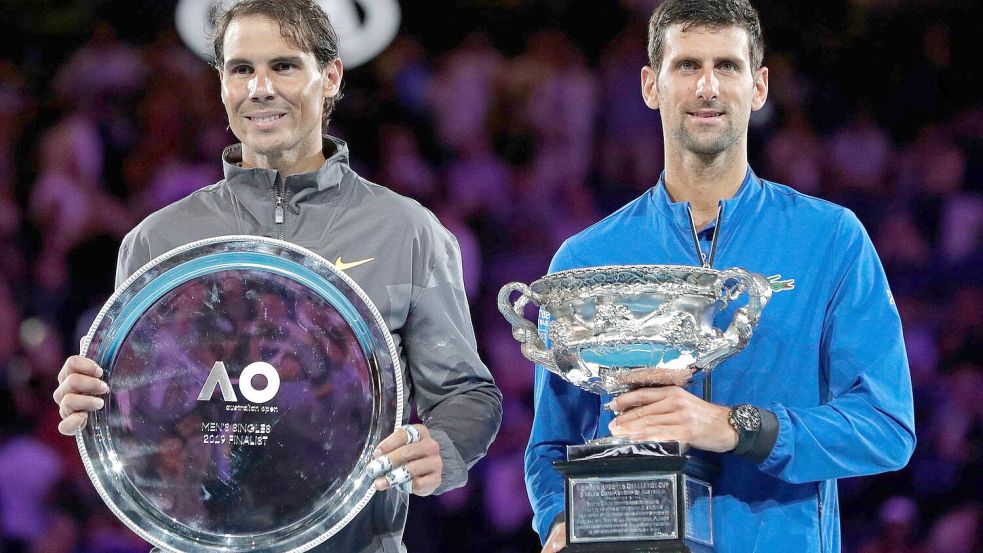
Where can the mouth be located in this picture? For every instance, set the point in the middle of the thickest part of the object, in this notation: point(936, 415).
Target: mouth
point(705, 114)
point(264, 119)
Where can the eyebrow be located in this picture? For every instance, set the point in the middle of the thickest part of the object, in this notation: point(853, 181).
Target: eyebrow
point(296, 60)
point(735, 61)
point(716, 60)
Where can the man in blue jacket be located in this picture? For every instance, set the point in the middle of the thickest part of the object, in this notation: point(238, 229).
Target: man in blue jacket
point(823, 389)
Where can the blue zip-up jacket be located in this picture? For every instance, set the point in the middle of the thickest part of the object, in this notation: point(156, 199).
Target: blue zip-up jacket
point(827, 357)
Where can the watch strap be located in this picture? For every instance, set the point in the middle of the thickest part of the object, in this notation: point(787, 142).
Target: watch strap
point(758, 444)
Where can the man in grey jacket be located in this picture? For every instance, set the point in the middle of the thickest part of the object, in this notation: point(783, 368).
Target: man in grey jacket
point(281, 77)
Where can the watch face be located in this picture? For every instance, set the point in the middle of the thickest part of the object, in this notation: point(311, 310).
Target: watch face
point(250, 381)
point(745, 418)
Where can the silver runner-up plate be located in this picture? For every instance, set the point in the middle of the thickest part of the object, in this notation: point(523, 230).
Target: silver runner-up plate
point(249, 382)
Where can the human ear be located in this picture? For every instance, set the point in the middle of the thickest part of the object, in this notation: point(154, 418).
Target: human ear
point(650, 89)
point(760, 89)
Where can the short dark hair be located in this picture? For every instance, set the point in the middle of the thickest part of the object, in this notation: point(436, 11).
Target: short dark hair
point(302, 22)
point(705, 13)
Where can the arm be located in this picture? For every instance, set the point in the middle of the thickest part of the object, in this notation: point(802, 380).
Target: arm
point(455, 394)
point(866, 424)
point(564, 414)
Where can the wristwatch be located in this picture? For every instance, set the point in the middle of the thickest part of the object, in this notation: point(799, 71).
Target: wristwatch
point(746, 420)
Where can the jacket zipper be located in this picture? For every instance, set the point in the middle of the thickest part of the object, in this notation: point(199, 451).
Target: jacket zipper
point(278, 211)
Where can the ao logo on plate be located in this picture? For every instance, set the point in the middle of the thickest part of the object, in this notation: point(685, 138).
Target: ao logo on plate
point(219, 377)
point(361, 36)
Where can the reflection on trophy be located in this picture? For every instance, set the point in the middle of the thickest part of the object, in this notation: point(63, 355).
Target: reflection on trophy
point(616, 328)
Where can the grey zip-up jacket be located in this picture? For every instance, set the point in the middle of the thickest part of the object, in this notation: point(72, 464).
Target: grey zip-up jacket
point(414, 278)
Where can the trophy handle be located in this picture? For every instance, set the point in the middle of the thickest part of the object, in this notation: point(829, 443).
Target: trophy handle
point(524, 330)
point(742, 325)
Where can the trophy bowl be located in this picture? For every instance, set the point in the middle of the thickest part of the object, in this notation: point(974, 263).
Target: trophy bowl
point(615, 328)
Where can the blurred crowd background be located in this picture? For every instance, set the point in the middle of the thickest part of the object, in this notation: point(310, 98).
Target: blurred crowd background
point(519, 123)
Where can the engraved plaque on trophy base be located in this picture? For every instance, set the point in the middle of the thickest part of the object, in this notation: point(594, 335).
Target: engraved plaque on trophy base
point(638, 502)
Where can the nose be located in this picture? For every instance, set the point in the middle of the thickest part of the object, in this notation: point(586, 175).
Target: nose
point(708, 87)
point(261, 87)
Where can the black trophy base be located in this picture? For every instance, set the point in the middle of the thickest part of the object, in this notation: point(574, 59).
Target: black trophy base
point(638, 502)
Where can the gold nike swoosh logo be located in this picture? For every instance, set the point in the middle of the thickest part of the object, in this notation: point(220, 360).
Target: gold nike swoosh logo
point(342, 266)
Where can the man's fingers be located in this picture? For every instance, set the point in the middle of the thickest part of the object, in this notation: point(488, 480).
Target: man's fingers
point(425, 475)
point(623, 424)
point(85, 384)
point(412, 452)
point(398, 439)
point(425, 467)
point(80, 365)
point(408, 458)
point(650, 431)
point(641, 396)
point(77, 383)
point(428, 449)
point(379, 466)
point(425, 485)
point(392, 442)
point(73, 403)
point(657, 408)
point(72, 423)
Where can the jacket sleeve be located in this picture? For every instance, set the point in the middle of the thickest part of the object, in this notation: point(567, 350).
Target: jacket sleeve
point(866, 422)
point(564, 415)
point(455, 394)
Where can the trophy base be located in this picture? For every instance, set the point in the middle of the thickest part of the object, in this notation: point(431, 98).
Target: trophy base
point(642, 497)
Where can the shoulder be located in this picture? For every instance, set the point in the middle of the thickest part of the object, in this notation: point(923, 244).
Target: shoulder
point(397, 213)
point(832, 225)
point(171, 226)
point(202, 202)
point(810, 209)
point(408, 228)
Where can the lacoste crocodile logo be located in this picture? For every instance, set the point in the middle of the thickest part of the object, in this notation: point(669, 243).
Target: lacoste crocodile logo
point(779, 285)
point(343, 266)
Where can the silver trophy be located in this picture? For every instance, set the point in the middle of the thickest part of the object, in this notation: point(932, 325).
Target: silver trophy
point(615, 328)
point(250, 380)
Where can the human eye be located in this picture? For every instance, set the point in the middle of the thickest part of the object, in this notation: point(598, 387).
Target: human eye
point(686, 65)
point(242, 69)
point(728, 66)
point(284, 66)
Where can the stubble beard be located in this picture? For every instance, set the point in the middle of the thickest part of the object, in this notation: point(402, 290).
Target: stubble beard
point(707, 144)
point(285, 150)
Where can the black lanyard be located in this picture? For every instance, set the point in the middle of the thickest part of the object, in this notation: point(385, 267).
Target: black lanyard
point(707, 263)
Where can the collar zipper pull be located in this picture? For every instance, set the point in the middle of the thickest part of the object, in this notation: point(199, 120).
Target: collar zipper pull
point(278, 214)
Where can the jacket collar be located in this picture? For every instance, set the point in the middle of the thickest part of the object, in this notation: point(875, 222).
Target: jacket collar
point(329, 175)
point(735, 207)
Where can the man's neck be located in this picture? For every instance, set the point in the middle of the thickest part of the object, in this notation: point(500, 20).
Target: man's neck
point(703, 181)
point(287, 163)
